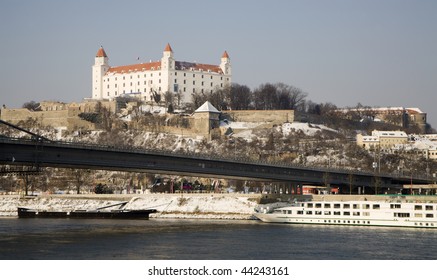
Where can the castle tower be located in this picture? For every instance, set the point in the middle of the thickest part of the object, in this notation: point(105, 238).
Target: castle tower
point(167, 60)
point(99, 69)
point(225, 64)
point(168, 65)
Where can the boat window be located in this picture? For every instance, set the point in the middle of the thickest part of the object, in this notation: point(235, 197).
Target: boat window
point(417, 207)
point(430, 215)
point(327, 213)
point(346, 206)
point(327, 205)
point(318, 212)
point(337, 213)
point(401, 215)
point(356, 213)
point(356, 206)
point(310, 205)
point(346, 213)
point(395, 206)
point(376, 206)
point(428, 207)
point(318, 205)
point(300, 212)
point(418, 215)
point(284, 211)
point(366, 213)
point(337, 205)
point(309, 212)
point(366, 206)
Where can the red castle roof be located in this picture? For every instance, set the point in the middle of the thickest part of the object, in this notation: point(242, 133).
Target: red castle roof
point(101, 53)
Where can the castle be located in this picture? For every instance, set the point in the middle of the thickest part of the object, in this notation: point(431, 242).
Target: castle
point(146, 80)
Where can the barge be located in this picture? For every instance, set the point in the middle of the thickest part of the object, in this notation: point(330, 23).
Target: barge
point(99, 213)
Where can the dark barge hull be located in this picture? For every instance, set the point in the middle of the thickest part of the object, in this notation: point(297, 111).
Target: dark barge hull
point(114, 214)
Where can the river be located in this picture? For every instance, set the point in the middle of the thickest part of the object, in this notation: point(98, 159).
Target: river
point(167, 239)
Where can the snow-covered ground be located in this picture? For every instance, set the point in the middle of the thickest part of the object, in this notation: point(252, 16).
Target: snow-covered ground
point(306, 128)
point(245, 129)
point(203, 206)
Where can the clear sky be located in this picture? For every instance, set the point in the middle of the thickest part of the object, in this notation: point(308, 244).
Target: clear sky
point(376, 52)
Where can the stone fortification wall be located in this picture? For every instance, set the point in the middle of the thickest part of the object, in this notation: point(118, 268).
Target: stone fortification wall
point(46, 118)
point(271, 116)
point(58, 118)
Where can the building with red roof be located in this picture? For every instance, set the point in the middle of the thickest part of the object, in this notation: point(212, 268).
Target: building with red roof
point(145, 80)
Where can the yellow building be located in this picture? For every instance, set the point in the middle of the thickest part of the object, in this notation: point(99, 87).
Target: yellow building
point(382, 139)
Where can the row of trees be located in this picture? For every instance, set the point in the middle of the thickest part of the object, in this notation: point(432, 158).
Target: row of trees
point(267, 96)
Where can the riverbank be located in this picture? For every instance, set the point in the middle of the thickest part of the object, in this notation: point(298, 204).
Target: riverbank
point(181, 206)
point(184, 206)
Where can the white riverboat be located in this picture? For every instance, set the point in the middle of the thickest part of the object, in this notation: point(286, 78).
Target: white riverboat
point(395, 213)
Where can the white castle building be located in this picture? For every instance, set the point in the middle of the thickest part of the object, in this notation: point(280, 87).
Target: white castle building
point(166, 75)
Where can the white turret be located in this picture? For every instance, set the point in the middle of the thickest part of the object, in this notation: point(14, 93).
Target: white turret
point(100, 68)
point(225, 64)
point(167, 60)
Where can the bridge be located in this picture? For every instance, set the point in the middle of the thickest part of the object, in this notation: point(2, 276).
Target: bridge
point(39, 153)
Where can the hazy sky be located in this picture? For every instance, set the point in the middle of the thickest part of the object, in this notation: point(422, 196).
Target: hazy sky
point(376, 52)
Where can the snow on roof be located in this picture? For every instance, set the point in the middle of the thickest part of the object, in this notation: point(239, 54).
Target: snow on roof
point(207, 107)
point(389, 133)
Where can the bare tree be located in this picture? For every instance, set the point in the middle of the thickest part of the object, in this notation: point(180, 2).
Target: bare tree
point(81, 177)
point(265, 97)
point(239, 97)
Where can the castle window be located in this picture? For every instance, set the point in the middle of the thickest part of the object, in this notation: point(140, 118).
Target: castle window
point(202, 83)
point(211, 84)
point(185, 89)
point(202, 76)
point(185, 74)
point(159, 80)
point(145, 76)
point(194, 83)
point(175, 81)
point(175, 73)
point(194, 75)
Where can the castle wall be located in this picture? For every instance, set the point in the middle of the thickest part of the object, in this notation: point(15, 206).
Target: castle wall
point(271, 116)
point(46, 118)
